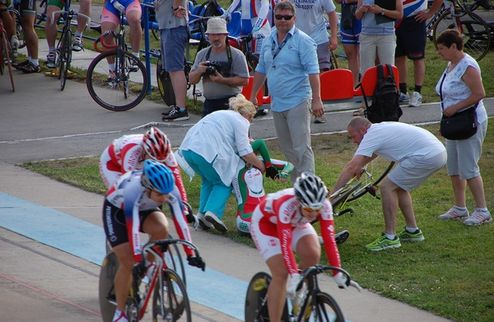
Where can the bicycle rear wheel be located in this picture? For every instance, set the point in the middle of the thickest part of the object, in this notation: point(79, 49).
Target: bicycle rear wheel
point(476, 33)
point(65, 57)
point(323, 309)
point(170, 300)
point(122, 90)
point(5, 60)
point(165, 85)
point(105, 288)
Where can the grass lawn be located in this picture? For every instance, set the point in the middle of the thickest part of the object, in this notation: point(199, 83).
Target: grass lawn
point(449, 274)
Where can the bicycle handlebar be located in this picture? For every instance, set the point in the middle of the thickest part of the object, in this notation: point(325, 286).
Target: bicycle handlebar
point(163, 244)
point(318, 268)
point(72, 12)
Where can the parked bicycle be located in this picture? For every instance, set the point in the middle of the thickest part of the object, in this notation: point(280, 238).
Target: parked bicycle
point(124, 87)
point(64, 46)
point(156, 281)
point(310, 303)
point(460, 15)
point(5, 50)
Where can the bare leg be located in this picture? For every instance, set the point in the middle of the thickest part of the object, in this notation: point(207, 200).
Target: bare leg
point(84, 8)
point(406, 205)
point(123, 277)
point(179, 83)
point(352, 54)
point(30, 36)
point(389, 199)
point(277, 287)
point(476, 186)
point(134, 19)
point(459, 186)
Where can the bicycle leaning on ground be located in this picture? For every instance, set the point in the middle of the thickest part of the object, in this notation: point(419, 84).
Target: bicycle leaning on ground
point(124, 87)
point(309, 304)
point(64, 46)
point(153, 280)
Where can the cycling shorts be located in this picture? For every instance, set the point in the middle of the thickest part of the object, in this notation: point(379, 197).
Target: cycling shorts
point(264, 234)
point(27, 7)
point(112, 15)
point(115, 226)
point(350, 36)
point(410, 39)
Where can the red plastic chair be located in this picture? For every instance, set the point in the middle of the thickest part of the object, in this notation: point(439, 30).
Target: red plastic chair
point(261, 98)
point(336, 84)
point(369, 79)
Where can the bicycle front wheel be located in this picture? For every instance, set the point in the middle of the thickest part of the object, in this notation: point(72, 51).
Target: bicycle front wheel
point(170, 300)
point(121, 89)
point(105, 290)
point(475, 32)
point(256, 306)
point(323, 309)
point(65, 57)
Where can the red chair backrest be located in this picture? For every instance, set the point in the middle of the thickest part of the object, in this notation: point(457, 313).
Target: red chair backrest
point(336, 84)
point(369, 80)
point(261, 98)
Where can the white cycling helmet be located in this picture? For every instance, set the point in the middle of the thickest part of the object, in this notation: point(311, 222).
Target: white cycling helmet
point(310, 190)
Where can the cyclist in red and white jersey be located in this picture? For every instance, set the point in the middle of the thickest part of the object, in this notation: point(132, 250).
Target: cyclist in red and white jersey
point(281, 224)
point(132, 206)
point(128, 152)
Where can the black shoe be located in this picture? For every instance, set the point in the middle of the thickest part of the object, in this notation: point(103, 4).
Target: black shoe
point(31, 68)
point(261, 112)
point(176, 115)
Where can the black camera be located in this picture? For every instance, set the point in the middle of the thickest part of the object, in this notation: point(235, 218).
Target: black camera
point(212, 68)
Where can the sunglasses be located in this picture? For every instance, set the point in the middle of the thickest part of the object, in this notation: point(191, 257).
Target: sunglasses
point(310, 209)
point(283, 17)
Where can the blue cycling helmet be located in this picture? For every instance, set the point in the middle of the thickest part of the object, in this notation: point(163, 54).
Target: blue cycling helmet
point(156, 176)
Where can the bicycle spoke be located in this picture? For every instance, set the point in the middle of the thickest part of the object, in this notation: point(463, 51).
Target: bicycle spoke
point(323, 309)
point(170, 300)
point(121, 89)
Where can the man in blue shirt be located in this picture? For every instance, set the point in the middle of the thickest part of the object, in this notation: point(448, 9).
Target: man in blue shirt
point(289, 61)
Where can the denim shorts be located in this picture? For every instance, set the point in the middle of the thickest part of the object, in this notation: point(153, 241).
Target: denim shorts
point(173, 42)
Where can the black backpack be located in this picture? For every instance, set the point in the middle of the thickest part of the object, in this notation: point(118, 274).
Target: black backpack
point(385, 105)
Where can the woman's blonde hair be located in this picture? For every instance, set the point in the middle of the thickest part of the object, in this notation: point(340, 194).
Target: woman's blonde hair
point(242, 105)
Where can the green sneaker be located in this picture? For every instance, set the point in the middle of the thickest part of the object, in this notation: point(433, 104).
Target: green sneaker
point(407, 236)
point(383, 243)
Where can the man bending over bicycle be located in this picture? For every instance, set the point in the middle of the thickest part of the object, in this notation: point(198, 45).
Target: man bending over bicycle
point(132, 206)
point(51, 28)
point(110, 19)
point(282, 223)
point(418, 154)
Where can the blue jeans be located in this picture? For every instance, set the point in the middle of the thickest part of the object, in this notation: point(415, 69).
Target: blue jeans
point(214, 193)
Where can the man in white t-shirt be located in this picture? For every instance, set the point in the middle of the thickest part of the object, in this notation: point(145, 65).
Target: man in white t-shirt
point(417, 153)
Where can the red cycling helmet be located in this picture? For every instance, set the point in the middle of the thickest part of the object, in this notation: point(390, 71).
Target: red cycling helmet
point(156, 144)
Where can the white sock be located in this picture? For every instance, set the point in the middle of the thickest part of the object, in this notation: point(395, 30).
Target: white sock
point(390, 236)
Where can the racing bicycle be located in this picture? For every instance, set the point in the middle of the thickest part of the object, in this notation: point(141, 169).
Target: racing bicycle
point(126, 85)
point(310, 303)
point(157, 281)
point(64, 46)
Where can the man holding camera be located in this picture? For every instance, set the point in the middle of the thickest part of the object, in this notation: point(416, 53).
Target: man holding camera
point(223, 69)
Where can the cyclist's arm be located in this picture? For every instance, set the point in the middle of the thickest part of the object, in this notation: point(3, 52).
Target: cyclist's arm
point(172, 164)
point(328, 236)
point(352, 169)
point(131, 195)
point(179, 220)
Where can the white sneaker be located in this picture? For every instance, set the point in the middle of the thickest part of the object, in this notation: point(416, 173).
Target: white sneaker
point(454, 214)
point(415, 100)
point(478, 218)
point(203, 221)
point(120, 316)
point(217, 223)
point(404, 97)
point(14, 42)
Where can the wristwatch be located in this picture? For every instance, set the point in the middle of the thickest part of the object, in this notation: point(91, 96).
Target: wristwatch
point(382, 12)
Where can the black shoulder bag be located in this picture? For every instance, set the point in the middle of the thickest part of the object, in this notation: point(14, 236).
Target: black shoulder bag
point(461, 125)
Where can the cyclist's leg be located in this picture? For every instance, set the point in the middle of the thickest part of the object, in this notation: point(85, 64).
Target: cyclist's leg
point(268, 245)
point(155, 225)
point(28, 16)
point(51, 29)
point(249, 191)
point(8, 22)
point(306, 245)
point(133, 13)
point(109, 22)
point(84, 8)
